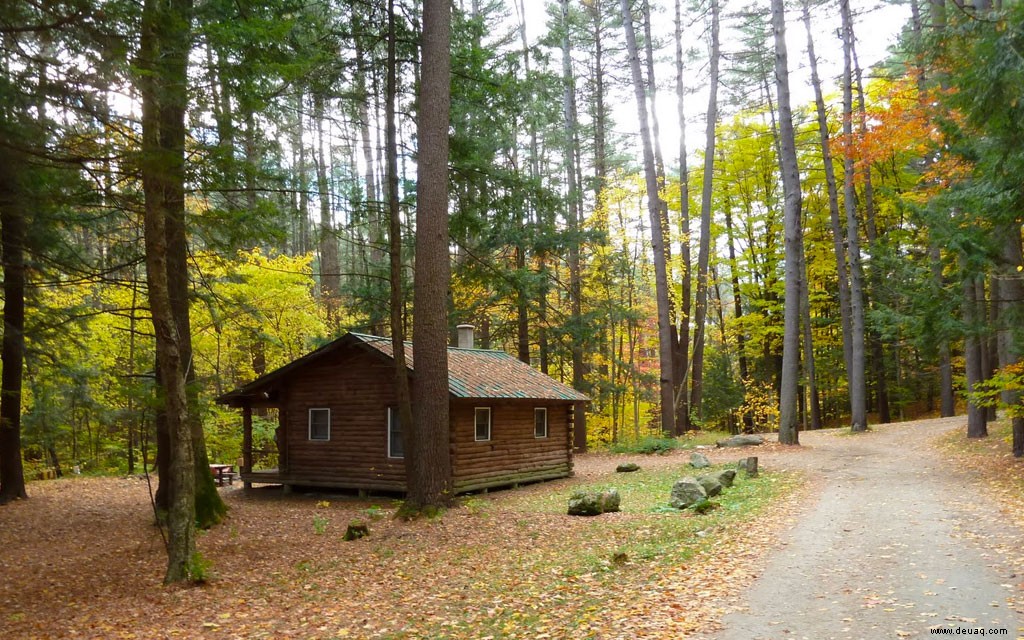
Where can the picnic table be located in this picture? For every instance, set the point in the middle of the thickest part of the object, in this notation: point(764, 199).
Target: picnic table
point(222, 473)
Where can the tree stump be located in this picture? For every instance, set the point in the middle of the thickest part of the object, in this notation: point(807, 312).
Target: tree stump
point(356, 530)
point(750, 467)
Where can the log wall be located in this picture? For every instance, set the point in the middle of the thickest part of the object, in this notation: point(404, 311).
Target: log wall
point(358, 387)
point(513, 454)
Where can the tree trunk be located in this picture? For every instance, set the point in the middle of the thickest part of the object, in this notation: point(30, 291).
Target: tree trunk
point(875, 276)
point(681, 342)
point(741, 348)
point(790, 376)
point(573, 212)
point(429, 465)
point(12, 352)
point(657, 235)
point(402, 392)
point(977, 426)
point(858, 389)
point(163, 57)
point(330, 269)
point(1011, 346)
point(810, 373)
point(838, 232)
point(703, 255)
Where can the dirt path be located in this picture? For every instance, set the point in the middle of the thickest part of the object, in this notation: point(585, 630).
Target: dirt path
point(897, 544)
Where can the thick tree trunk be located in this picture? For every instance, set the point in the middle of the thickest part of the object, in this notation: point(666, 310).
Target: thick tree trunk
point(12, 352)
point(704, 253)
point(657, 231)
point(977, 426)
point(429, 465)
point(790, 375)
point(163, 54)
point(857, 381)
point(1011, 305)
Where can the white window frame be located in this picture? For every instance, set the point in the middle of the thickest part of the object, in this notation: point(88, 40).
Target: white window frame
point(392, 412)
point(476, 432)
point(537, 411)
point(309, 432)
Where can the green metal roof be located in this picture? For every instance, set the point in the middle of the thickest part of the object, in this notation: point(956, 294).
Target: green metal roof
point(482, 373)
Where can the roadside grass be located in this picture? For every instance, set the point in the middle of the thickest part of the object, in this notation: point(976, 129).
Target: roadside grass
point(660, 445)
point(610, 555)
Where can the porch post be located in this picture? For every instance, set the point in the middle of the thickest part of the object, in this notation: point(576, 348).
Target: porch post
point(579, 427)
point(246, 442)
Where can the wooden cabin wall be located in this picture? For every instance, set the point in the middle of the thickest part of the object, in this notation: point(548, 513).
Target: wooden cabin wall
point(357, 387)
point(513, 454)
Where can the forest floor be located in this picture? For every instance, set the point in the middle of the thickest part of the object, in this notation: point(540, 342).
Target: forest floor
point(81, 559)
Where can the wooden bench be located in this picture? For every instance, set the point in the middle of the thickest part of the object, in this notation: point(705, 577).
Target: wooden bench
point(222, 473)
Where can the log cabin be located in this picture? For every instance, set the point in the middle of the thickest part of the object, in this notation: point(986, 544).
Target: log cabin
point(338, 420)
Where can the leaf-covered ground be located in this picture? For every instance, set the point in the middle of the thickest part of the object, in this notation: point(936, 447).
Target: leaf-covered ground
point(81, 558)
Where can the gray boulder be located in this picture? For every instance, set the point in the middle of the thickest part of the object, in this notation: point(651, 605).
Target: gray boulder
point(742, 440)
point(725, 477)
point(685, 492)
point(711, 484)
point(627, 467)
point(699, 461)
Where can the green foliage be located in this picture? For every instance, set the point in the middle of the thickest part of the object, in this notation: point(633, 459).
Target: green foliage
point(374, 512)
point(990, 393)
point(199, 568)
point(320, 521)
point(723, 392)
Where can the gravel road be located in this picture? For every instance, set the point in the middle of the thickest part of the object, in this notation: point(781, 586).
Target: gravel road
point(897, 545)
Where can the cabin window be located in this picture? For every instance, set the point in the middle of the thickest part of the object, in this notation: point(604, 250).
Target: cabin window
point(319, 424)
point(540, 422)
point(483, 424)
point(395, 449)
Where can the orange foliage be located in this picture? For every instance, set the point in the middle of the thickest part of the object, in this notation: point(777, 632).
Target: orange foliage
point(902, 124)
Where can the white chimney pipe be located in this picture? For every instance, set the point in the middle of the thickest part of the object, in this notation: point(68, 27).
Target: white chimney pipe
point(465, 336)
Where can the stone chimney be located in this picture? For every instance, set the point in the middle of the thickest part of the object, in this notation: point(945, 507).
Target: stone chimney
point(465, 336)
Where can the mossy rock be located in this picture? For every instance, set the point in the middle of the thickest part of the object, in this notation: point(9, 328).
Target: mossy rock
point(627, 467)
